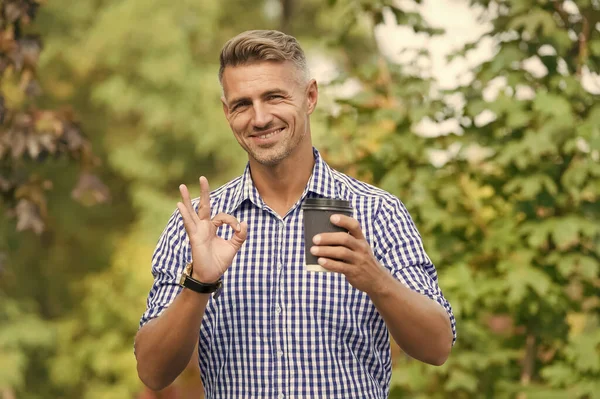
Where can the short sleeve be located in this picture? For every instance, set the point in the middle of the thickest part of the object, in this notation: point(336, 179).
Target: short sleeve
point(168, 262)
point(399, 248)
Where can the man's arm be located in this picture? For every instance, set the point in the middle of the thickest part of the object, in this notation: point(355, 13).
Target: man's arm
point(405, 292)
point(164, 346)
point(171, 325)
point(419, 325)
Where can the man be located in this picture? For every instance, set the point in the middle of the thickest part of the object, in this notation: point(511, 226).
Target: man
point(272, 329)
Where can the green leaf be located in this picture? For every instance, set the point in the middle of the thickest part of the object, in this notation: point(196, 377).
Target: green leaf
point(538, 237)
point(588, 267)
point(566, 265)
point(522, 277)
point(536, 392)
point(551, 105)
point(460, 380)
point(518, 119)
point(527, 188)
point(584, 352)
point(594, 46)
point(533, 20)
point(566, 233)
point(12, 365)
point(559, 374)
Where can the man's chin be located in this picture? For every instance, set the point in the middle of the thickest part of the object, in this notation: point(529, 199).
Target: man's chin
point(268, 156)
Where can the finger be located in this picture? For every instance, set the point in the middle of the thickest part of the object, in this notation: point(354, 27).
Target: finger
point(187, 202)
point(204, 205)
point(239, 236)
point(188, 221)
point(349, 223)
point(223, 218)
point(333, 265)
point(336, 253)
point(338, 238)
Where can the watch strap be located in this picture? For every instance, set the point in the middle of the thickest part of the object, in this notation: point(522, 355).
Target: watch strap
point(188, 281)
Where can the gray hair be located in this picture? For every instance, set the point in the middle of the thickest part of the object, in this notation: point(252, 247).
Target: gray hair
point(262, 45)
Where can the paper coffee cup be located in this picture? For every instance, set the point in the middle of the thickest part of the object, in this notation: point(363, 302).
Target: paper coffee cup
point(317, 213)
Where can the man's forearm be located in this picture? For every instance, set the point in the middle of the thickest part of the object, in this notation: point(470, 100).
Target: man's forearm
point(419, 325)
point(164, 346)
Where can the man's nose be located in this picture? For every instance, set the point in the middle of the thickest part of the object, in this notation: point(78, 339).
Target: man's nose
point(262, 117)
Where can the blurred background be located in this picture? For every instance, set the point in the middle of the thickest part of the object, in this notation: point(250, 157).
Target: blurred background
point(483, 117)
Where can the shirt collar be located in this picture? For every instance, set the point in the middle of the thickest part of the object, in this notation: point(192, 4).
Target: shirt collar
point(321, 184)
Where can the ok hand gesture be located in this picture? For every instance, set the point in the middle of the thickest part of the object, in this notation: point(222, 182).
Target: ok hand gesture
point(211, 254)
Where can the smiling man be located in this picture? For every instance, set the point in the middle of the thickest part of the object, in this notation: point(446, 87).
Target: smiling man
point(229, 270)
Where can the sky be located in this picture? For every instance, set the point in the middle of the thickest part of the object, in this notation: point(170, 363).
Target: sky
point(459, 20)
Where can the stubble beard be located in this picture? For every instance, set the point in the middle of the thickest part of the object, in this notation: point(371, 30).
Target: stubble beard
point(273, 156)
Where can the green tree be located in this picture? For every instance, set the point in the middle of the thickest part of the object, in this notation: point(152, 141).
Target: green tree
point(38, 146)
point(142, 77)
point(512, 220)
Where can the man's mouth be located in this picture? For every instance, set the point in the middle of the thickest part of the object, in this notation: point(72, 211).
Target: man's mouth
point(268, 135)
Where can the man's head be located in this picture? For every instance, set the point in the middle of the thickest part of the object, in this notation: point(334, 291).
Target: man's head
point(263, 45)
point(267, 94)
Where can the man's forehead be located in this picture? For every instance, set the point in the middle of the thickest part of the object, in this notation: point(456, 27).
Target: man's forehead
point(259, 78)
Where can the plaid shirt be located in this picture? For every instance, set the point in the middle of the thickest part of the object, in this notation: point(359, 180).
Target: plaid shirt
point(278, 331)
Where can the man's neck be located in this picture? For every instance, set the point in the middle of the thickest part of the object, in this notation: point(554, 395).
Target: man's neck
point(281, 186)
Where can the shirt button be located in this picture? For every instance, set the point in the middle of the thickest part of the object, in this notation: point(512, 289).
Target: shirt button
point(280, 396)
point(279, 354)
point(277, 309)
point(279, 266)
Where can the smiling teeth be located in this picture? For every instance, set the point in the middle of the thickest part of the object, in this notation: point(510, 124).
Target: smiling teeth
point(266, 136)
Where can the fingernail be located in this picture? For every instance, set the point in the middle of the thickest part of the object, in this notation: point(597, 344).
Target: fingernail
point(335, 218)
point(317, 239)
point(238, 227)
point(322, 261)
point(314, 250)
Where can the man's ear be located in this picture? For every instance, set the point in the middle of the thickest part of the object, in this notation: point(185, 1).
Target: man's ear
point(312, 95)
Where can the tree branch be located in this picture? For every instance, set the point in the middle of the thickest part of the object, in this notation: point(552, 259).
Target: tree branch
point(528, 363)
point(583, 41)
point(561, 12)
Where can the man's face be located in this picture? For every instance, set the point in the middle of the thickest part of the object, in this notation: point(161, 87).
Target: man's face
point(267, 105)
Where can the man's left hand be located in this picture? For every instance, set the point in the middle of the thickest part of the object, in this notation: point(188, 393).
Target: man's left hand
point(349, 254)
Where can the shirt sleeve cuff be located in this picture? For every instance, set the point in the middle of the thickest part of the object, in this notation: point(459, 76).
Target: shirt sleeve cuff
point(419, 282)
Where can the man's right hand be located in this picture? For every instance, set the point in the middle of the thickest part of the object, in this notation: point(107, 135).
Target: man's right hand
point(211, 254)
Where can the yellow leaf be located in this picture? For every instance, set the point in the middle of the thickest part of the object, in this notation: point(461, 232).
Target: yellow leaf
point(577, 322)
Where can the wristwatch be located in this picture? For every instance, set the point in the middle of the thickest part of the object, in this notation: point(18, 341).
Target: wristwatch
point(188, 281)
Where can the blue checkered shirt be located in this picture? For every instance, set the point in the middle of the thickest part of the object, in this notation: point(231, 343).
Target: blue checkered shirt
point(278, 331)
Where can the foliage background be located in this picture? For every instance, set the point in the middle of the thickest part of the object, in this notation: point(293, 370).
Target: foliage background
point(108, 105)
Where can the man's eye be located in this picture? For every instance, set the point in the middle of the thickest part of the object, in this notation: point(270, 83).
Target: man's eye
point(274, 97)
point(238, 106)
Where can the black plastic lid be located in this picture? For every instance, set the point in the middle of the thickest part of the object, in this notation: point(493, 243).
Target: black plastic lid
point(326, 203)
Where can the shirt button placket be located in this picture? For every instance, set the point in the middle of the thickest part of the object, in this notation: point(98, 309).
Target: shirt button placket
point(278, 309)
point(280, 242)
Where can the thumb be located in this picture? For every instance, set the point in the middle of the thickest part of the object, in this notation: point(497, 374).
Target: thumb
point(240, 236)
